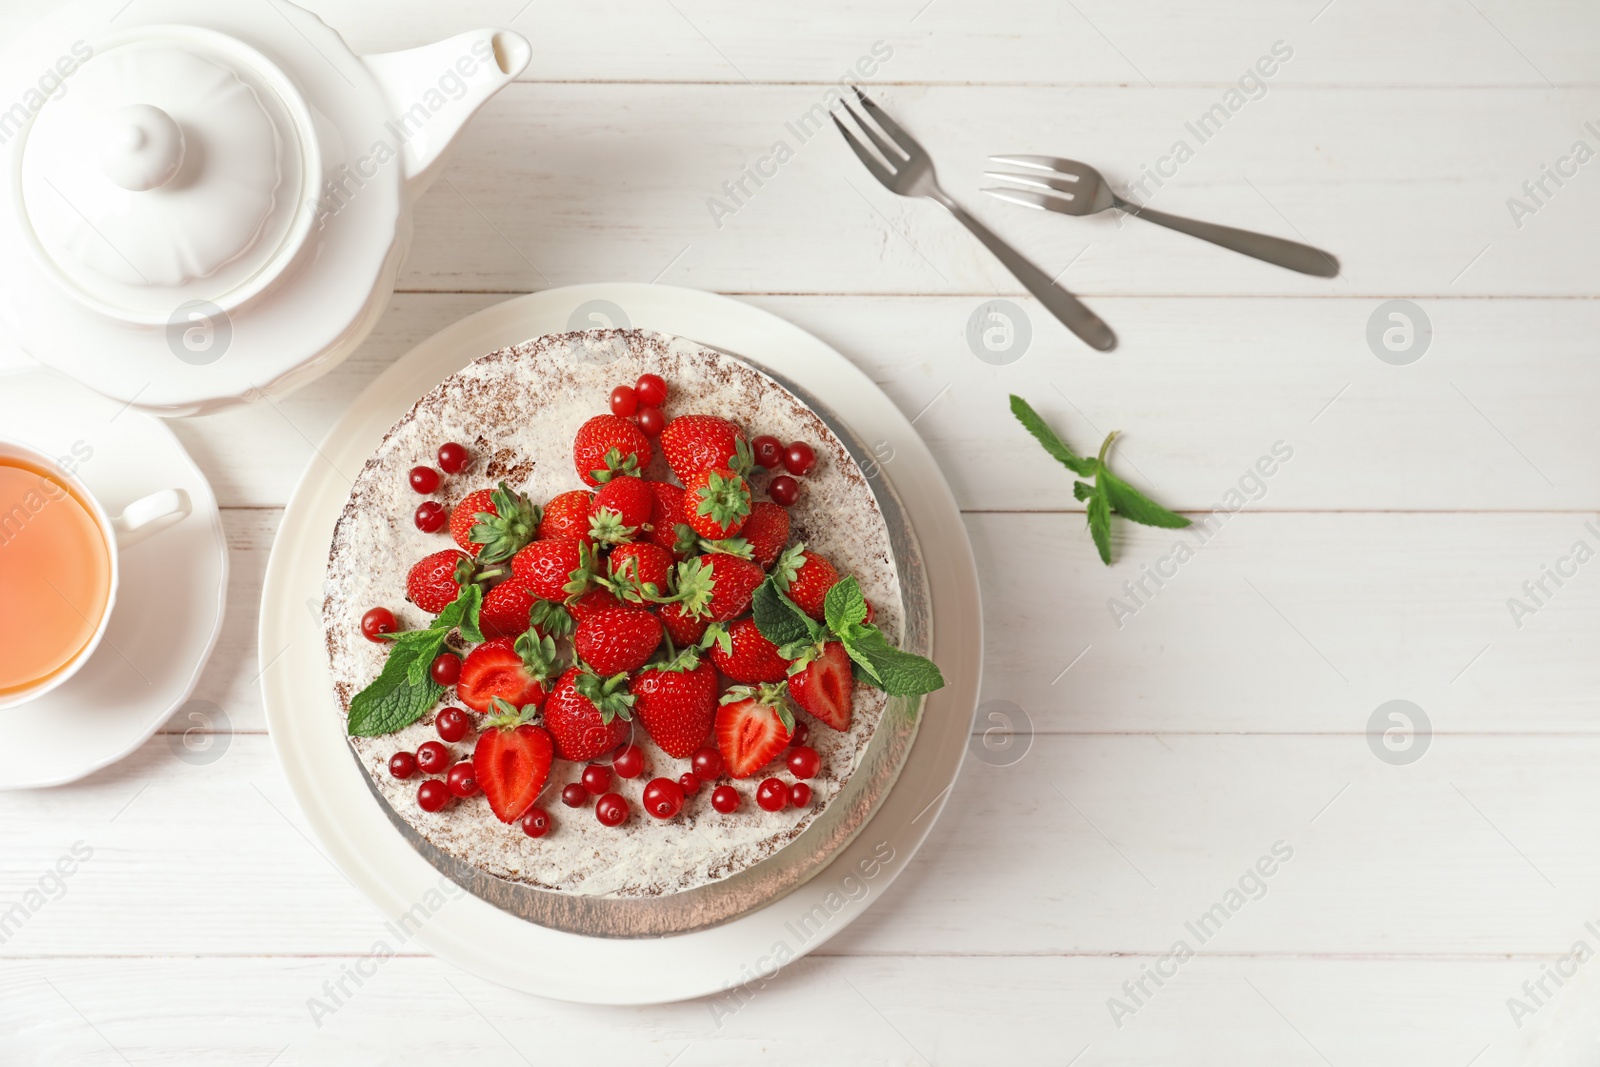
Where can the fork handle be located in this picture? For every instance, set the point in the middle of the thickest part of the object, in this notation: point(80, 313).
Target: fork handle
point(1274, 250)
point(1062, 304)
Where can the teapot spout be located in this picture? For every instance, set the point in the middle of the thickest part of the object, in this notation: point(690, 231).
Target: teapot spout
point(431, 92)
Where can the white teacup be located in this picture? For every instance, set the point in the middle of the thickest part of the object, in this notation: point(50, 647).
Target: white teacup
point(141, 519)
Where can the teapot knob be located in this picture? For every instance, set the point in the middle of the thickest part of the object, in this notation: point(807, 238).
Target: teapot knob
point(142, 147)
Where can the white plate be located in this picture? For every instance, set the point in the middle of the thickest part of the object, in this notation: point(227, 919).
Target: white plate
point(170, 601)
point(478, 936)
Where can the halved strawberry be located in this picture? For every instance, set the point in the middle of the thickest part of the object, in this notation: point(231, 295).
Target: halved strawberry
point(553, 569)
point(567, 515)
point(616, 640)
point(693, 443)
point(823, 683)
point(435, 580)
point(640, 571)
point(752, 727)
point(745, 656)
point(620, 510)
point(587, 715)
point(511, 763)
point(607, 445)
point(493, 524)
point(669, 522)
point(505, 610)
point(806, 577)
point(717, 586)
point(676, 702)
point(718, 502)
point(512, 670)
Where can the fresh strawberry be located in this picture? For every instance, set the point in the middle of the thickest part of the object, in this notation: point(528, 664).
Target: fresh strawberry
point(553, 569)
point(640, 571)
point(806, 577)
point(669, 522)
point(752, 727)
point(693, 443)
point(621, 509)
point(567, 515)
point(592, 601)
point(505, 610)
point(493, 524)
point(616, 640)
point(434, 581)
point(741, 652)
point(717, 586)
point(512, 670)
point(676, 702)
point(718, 502)
point(684, 629)
point(607, 445)
point(766, 531)
point(464, 516)
point(511, 763)
point(823, 685)
point(587, 715)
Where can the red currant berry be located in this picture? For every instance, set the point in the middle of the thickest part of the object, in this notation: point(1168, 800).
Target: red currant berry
point(446, 668)
point(801, 732)
point(424, 479)
point(689, 784)
point(377, 622)
point(663, 798)
point(772, 795)
point(629, 763)
point(432, 795)
point(784, 491)
point(652, 390)
point(799, 795)
point(803, 762)
point(574, 795)
point(651, 421)
point(430, 516)
point(706, 764)
point(596, 779)
point(768, 451)
point(536, 823)
point(402, 765)
point(611, 810)
point(725, 798)
point(432, 757)
point(461, 780)
point(624, 401)
point(798, 459)
point(453, 724)
point(453, 459)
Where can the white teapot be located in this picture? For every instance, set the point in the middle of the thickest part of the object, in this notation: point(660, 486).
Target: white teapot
point(209, 200)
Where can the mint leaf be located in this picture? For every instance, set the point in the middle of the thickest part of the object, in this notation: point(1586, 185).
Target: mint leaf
point(392, 702)
point(899, 673)
point(462, 613)
point(777, 617)
point(1047, 437)
point(844, 606)
point(1128, 502)
point(1100, 521)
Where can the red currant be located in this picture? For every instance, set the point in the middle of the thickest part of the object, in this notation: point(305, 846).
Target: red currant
point(725, 798)
point(651, 421)
point(652, 390)
point(402, 765)
point(772, 795)
point(768, 451)
point(784, 490)
point(629, 763)
point(461, 780)
point(706, 764)
point(798, 459)
point(453, 724)
point(689, 784)
point(624, 401)
point(611, 810)
point(430, 516)
point(453, 459)
point(432, 795)
point(574, 795)
point(432, 757)
point(596, 779)
point(663, 798)
point(424, 479)
point(377, 622)
point(801, 732)
point(799, 795)
point(536, 823)
point(803, 762)
point(446, 668)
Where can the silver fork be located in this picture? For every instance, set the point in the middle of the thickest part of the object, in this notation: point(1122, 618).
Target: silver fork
point(1074, 188)
point(910, 173)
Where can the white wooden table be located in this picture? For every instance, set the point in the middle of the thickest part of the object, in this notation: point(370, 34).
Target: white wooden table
point(1228, 716)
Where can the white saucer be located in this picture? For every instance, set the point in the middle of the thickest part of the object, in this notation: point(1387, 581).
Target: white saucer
point(169, 604)
point(332, 788)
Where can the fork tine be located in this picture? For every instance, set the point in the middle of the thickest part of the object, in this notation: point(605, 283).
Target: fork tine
point(904, 141)
point(1055, 163)
point(1042, 201)
point(1067, 187)
point(875, 168)
point(893, 154)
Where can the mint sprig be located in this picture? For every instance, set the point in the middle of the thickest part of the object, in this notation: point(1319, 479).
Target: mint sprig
point(404, 690)
point(1108, 495)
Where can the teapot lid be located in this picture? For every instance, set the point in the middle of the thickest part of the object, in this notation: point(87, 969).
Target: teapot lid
point(182, 165)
